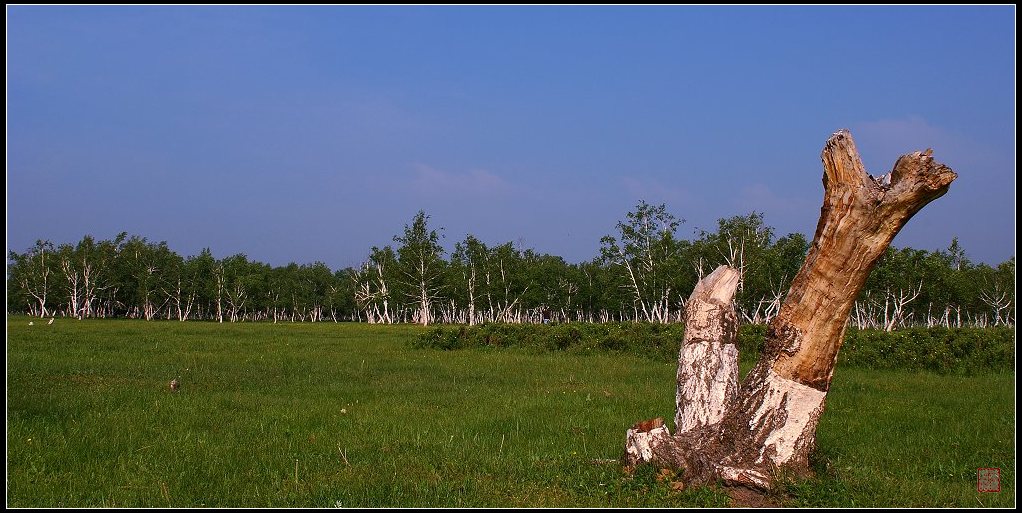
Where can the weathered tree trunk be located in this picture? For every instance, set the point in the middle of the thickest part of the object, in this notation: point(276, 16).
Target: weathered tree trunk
point(770, 423)
point(708, 361)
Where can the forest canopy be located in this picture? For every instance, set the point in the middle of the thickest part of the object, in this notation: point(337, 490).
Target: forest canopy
point(644, 272)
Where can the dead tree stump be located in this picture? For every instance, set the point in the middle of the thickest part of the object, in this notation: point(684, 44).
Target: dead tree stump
point(744, 434)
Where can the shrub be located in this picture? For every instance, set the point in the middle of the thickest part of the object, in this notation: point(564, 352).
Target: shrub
point(943, 350)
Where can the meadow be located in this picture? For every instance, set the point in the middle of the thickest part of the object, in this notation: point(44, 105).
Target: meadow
point(351, 415)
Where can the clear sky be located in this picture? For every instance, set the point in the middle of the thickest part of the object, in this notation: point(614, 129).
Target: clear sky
point(313, 133)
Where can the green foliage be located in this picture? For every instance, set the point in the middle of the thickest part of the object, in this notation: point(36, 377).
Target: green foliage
point(750, 340)
point(645, 256)
point(747, 242)
point(956, 350)
point(943, 350)
point(421, 266)
point(656, 341)
point(644, 272)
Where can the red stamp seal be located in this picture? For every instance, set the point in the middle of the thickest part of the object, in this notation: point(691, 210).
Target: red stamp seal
point(988, 480)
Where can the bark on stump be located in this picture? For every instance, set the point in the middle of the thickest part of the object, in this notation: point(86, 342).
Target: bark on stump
point(744, 435)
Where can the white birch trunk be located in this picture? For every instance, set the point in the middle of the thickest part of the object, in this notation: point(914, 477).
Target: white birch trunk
point(708, 360)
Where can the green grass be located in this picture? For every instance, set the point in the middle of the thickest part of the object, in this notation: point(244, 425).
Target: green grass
point(267, 415)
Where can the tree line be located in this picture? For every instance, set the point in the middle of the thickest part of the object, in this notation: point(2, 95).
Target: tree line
point(644, 272)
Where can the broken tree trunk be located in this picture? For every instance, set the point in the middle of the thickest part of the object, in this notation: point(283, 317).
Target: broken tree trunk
point(745, 436)
point(708, 361)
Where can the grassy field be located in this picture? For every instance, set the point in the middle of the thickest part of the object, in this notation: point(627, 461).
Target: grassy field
point(348, 415)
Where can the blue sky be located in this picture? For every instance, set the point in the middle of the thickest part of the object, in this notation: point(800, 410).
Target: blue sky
point(313, 133)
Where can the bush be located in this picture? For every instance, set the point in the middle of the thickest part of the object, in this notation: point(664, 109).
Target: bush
point(655, 341)
point(943, 350)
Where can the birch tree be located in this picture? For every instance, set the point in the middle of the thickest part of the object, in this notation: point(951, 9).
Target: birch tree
point(142, 268)
point(421, 264)
point(84, 267)
point(745, 243)
point(181, 287)
point(469, 263)
point(205, 266)
point(372, 284)
point(233, 283)
point(339, 293)
point(33, 270)
point(643, 250)
point(506, 284)
point(320, 281)
point(219, 287)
